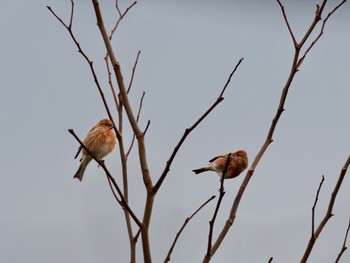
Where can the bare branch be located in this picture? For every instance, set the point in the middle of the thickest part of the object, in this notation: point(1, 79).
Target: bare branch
point(133, 71)
point(328, 214)
point(344, 244)
point(313, 208)
point(287, 23)
point(137, 119)
point(117, 7)
point(110, 177)
point(139, 135)
point(110, 82)
point(269, 139)
point(147, 126)
point(301, 60)
point(221, 196)
point(69, 29)
point(190, 129)
point(167, 259)
point(113, 192)
point(121, 16)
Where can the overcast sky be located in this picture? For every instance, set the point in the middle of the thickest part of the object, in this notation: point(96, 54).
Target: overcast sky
point(188, 49)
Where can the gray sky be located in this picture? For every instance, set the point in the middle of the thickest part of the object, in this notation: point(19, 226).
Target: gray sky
point(188, 50)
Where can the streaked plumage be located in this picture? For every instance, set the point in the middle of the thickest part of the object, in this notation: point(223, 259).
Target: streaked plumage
point(100, 141)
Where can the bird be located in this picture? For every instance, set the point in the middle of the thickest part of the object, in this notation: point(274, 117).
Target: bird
point(100, 141)
point(238, 163)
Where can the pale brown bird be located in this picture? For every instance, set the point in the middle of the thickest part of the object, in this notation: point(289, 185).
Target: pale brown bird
point(100, 141)
point(238, 163)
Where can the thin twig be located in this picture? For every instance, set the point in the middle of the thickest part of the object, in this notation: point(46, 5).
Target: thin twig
point(110, 82)
point(328, 214)
point(133, 71)
point(221, 196)
point(114, 194)
point(287, 23)
point(71, 15)
point(344, 247)
point(146, 129)
point(110, 177)
point(190, 129)
point(137, 119)
point(121, 16)
point(90, 62)
point(320, 34)
point(167, 259)
point(313, 208)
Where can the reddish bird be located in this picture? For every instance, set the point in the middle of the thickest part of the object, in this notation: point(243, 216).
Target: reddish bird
point(238, 163)
point(100, 141)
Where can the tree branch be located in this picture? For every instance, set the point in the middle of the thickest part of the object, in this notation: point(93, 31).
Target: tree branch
point(190, 129)
point(269, 140)
point(90, 62)
point(287, 23)
point(301, 60)
point(344, 244)
point(328, 214)
point(110, 177)
point(221, 196)
point(167, 259)
point(137, 119)
point(121, 16)
point(313, 209)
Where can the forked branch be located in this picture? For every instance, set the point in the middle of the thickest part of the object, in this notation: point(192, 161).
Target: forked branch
point(328, 214)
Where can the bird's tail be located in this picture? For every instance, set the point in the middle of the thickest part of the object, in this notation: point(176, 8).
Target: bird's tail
point(83, 164)
point(80, 173)
point(201, 170)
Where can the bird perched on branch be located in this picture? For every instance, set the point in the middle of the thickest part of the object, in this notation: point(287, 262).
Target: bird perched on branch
point(100, 141)
point(238, 163)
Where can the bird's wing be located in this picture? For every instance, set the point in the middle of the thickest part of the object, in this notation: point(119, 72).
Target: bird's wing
point(216, 157)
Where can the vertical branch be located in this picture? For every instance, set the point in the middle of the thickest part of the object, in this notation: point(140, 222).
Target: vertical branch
point(137, 119)
point(221, 196)
point(313, 209)
point(139, 135)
